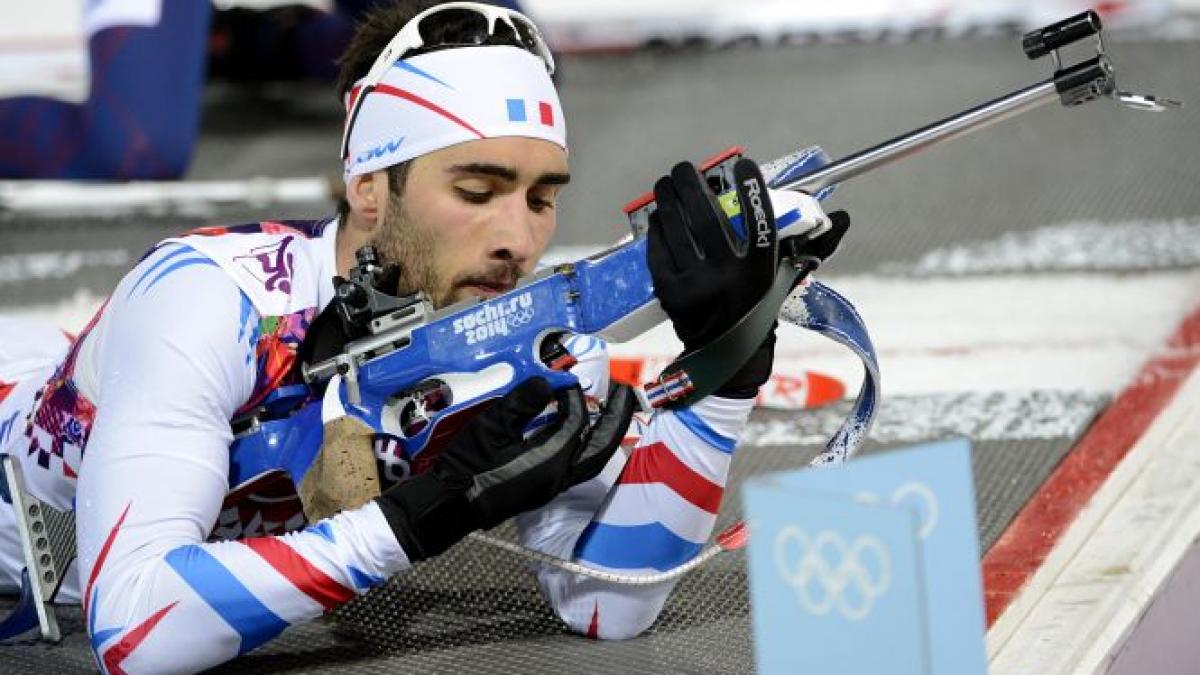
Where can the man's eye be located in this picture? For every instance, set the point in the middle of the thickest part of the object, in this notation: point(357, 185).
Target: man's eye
point(472, 196)
point(537, 204)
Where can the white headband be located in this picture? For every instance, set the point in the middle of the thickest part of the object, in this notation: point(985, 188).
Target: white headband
point(443, 98)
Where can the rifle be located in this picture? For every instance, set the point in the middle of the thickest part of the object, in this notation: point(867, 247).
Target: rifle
point(409, 371)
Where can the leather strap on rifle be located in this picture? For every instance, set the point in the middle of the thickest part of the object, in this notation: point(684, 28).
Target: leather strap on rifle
point(344, 475)
point(693, 376)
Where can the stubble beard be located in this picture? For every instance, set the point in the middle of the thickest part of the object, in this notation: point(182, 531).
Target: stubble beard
point(403, 242)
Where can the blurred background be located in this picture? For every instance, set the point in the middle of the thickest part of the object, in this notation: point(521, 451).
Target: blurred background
point(230, 108)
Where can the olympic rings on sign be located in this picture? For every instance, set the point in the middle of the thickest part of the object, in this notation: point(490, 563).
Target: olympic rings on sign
point(821, 571)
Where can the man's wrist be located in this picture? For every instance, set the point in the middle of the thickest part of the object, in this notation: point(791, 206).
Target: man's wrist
point(724, 418)
point(426, 515)
point(753, 374)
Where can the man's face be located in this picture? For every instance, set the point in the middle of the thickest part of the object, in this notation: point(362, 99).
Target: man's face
point(473, 217)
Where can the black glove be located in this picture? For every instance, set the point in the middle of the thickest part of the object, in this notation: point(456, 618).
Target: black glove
point(489, 473)
point(705, 276)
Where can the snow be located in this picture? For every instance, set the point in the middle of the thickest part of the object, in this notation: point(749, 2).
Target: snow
point(1072, 332)
point(1080, 245)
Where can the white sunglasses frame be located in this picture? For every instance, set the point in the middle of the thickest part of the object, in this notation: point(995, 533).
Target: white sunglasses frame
point(409, 38)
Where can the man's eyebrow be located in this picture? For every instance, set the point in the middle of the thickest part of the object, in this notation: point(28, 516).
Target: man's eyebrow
point(509, 173)
point(497, 170)
point(553, 178)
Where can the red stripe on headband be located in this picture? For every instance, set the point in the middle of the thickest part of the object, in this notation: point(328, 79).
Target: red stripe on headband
point(354, 91)
point(547, 113)
point(408, 96)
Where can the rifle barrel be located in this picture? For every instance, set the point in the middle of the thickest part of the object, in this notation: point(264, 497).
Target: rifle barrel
point(963, 123)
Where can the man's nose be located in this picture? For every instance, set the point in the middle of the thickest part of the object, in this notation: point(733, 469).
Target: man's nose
point(512, 233)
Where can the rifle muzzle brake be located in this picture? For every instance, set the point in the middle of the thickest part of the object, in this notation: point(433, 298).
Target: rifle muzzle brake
point(1091, 79)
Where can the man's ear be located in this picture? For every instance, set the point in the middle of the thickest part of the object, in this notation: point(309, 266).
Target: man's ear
point(367, 196)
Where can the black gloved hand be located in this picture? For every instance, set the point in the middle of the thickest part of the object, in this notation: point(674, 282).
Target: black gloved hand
point(489, 473)
point(705, 276)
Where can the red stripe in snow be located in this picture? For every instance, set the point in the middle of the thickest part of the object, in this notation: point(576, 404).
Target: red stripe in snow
point(1026, 542)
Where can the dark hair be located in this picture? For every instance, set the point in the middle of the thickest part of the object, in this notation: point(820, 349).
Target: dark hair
point(372, 34)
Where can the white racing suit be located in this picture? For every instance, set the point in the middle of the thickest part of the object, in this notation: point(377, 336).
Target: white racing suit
point(130, 426)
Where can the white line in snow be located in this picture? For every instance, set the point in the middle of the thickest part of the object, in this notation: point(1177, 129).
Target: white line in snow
point(42, 265)
point(66, 197)
point(990, 416)
point(1074, 246)
point(1078, 332)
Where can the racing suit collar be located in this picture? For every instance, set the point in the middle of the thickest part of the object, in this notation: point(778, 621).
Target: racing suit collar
point(326, 251)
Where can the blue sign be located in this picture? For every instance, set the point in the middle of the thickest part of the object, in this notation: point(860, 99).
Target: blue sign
point(868, 567)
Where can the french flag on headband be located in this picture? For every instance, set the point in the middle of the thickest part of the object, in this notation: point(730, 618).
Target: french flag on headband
point(518, 111)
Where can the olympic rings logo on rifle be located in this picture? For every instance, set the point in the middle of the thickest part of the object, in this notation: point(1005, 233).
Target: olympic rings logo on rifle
point(828, 573)
point(520, 317)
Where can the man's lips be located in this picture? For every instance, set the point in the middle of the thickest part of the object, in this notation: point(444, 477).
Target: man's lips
point(489, 289)
point(489, 283)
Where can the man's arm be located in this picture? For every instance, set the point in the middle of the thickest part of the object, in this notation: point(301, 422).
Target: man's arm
point(646, 512)
point(658, 510)
point(173, 360)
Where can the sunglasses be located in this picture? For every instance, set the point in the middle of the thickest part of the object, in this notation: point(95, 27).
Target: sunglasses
point(458, 24)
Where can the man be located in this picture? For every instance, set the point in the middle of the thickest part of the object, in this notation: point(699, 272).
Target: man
point(455, 156)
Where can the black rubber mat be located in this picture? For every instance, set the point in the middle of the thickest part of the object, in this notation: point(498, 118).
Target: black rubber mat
point(477, 608)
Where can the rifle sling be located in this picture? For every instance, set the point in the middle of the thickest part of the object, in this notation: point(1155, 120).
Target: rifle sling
point(695, 375)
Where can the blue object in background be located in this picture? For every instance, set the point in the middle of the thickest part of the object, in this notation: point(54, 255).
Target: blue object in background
point(869, 567)
point(142, 114)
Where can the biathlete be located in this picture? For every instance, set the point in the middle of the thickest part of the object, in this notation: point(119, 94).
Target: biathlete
point(455, 153)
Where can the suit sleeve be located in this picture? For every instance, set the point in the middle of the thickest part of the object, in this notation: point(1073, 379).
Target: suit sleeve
point(650, 510)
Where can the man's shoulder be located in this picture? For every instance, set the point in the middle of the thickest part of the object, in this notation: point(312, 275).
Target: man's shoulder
point(306, 229)
point(276, 264)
